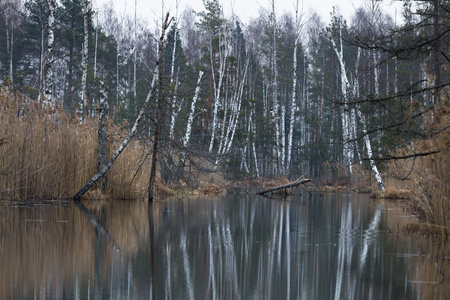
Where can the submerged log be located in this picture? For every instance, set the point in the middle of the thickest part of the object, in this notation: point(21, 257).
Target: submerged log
point(284, 186)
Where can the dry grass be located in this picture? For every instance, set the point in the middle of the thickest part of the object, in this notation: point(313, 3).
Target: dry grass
point(45, 155)
point(431, 177)
point(428, 178)
point(392, 192)
point(207, 188)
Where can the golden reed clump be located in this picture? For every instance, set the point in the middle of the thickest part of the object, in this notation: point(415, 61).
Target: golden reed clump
point(49, 155)
point(431, 177)
point(428, 177)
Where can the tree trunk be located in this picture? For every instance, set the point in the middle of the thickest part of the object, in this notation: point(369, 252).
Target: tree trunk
point(347, 151)
point(293, 106)
point(159, 108)
point(363, 124)
point(102, 138)
point(51, 4)
point(83, 97)
point(223, 60)
point(189, 123)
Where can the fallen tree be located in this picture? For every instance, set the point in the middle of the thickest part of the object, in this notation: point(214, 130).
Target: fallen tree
point(284, 186)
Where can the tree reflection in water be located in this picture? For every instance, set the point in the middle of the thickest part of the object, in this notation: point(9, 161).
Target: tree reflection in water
point(239, 247)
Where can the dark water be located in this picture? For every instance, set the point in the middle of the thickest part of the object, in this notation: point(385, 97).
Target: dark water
point(334, 246)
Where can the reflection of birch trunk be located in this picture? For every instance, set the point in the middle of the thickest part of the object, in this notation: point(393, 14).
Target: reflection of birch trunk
point(230, 259)
point(288, 251)
point(368, 236)
point(129, 280)
point(186, 266)
point(345, 247)
point(212, 276)
point(168, 281)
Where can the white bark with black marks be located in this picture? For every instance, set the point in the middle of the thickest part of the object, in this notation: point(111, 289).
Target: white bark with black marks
point(347, 148)
point(48, 94)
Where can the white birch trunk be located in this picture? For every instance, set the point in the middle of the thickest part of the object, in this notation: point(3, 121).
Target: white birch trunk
point(172, 79)
point(175, 111)
point(83, 98)
point(376, 72)
point(8, 41)
point(347, 151)
point(275, 107)
point(51, 4)
point(191, 114)
point(95, 52)
point(135, 53)
point(283, 138)
point(373, 166)
point(238, 99)
point(396, 77)
point(11, 53)
point(255, 156)
point(41, 68)
point(293, 110)
point(223, 59)
point(293, 106)
point(102, 137)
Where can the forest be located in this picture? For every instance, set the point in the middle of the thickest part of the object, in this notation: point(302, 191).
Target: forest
point(363, 102)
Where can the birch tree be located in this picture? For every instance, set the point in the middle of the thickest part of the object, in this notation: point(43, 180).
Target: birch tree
point(51, 5)
point(346, 121)
point(274, 87)
point(367, 143)
point(189, 123)
point(293, 106)
point(84, 61)
point(102, 137)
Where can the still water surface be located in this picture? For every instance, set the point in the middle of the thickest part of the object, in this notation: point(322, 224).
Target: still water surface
point(333, 246)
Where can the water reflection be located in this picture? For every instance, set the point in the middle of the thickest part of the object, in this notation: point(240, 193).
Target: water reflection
point(240, 247)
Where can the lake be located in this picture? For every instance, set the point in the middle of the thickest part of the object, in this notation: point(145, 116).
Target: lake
point(331, 246)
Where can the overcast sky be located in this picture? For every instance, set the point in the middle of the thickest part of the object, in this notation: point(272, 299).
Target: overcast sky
point(150, 10)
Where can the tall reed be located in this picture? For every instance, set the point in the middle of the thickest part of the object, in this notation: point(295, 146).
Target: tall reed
point(47, 154)
point(428, 177)
point(431, 178)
